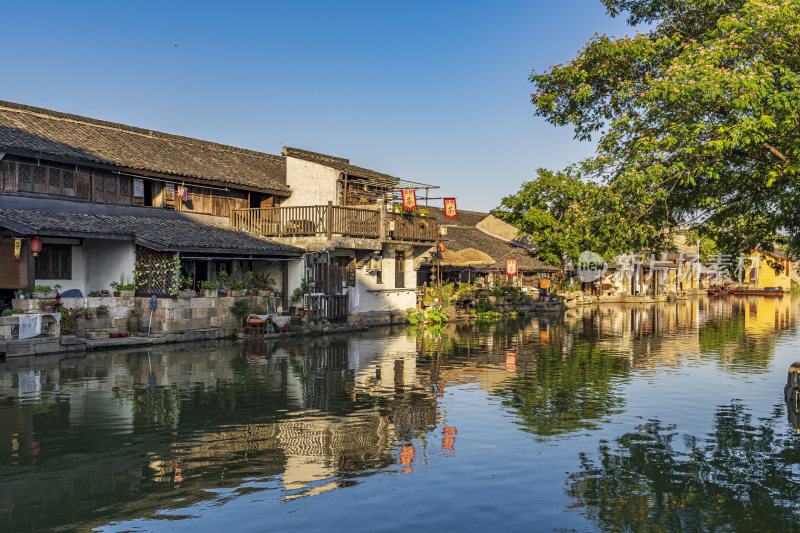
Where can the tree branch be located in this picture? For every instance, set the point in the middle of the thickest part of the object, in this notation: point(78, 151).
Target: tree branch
point(777, 153)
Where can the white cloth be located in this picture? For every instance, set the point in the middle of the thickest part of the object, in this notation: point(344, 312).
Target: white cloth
point(30, 326)
point(352, 299)
point(279, 320)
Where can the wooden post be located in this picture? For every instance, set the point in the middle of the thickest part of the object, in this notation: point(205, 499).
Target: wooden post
point(330, 219)
point(382, 222)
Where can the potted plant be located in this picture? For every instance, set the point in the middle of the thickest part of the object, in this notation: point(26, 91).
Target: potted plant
point(265, 284)
point(123, 288)
point(114, 285)
point(96, 334)
point(238, 289)
point(225, 282)
point(43, 292)
point(299, 292)
point(20, 294)
point(208, 289)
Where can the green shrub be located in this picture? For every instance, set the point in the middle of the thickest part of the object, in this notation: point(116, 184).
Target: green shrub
point(42, 288)
point(242, 308)
point(9, 312)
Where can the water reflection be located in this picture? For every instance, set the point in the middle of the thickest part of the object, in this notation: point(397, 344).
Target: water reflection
point(113, 436)
point(740, 477)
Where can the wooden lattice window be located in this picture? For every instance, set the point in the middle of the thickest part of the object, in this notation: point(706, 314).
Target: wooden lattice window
point(38, 175)
point(69, 179)
point(55, 178)
point(24, 173)
point(148, 276)
point(54, 262)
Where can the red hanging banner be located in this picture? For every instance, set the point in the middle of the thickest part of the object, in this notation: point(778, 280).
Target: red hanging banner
point(17, 249)
point(409, 200)
point(441, 247)
point(511, 267)
point(450, 211)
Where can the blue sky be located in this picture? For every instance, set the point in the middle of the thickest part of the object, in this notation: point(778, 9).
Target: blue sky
point(429, 91)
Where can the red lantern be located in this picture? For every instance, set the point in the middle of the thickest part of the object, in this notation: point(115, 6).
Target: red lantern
point(36, 246)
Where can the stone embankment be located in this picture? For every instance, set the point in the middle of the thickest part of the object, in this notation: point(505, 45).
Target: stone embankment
point(174, 320)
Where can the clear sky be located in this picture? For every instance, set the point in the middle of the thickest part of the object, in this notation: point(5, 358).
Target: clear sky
point(428, 91)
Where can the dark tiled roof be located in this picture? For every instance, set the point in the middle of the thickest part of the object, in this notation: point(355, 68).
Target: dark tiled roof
point(465, 218)
point(174, 234)
point(461, 237)
point(339, 163)
point(32, 129)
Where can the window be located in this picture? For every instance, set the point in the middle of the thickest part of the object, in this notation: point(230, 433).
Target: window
point(138, 192)
point(54, 262)
point(399, 270)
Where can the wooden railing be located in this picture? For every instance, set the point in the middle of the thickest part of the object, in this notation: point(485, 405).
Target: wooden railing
point(329, 220)
point(414, 228)
point(332, 307)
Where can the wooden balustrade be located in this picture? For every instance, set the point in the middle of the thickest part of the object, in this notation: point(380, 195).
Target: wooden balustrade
point(329, 220)
point(413, 228)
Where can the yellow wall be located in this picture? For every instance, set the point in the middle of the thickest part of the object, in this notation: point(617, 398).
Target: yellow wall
point(766, 274)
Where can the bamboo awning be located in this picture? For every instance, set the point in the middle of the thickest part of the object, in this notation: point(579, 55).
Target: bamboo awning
point(466, 257)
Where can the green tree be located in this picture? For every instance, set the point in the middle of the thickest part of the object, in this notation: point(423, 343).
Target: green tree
point(566, 215)
point(699, 115)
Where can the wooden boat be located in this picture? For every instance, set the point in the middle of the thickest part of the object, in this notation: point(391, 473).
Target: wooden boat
point(767, 291)
point(720, 291)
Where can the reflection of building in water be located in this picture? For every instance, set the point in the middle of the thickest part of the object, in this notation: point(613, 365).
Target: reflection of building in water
point(311, 417)
point(765, 316)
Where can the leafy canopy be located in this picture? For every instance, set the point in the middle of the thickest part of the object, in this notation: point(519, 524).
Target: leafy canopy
point(566, 215)
point(698, 119)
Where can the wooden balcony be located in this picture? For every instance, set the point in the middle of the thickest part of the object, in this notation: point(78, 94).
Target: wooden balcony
point(332, 220)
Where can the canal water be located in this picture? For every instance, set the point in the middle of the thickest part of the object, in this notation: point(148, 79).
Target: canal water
point(667, 417)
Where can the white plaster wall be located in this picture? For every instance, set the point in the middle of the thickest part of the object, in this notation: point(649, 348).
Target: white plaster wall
point(311, 183)
point(106, 260)
point(385, 296)
point(296, 272)
point(78, 280)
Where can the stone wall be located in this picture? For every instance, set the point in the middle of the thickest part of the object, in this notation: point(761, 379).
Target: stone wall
point(171, 316)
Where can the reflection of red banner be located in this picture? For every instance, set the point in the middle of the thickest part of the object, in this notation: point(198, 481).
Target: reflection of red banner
point(406, 457)
point(511, 360)
point(17, 249)
point(450, 211)
point(441, 247)
point(511, 267)
point(409, 200)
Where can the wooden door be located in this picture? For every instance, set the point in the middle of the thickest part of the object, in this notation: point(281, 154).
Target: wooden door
point(399, 270)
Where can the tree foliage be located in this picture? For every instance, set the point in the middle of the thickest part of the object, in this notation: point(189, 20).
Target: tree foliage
point(698, 118)
point(566, 215)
